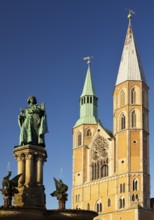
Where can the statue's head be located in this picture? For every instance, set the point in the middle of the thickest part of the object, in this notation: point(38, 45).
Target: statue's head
point(32, 99)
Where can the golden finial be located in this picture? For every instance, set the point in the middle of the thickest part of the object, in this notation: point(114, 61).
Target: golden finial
point(131, 12)
point(88, 59)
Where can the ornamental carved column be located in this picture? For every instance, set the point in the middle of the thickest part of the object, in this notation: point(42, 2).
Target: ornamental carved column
point(21, 168)
point(29, 169)
point(39, 170)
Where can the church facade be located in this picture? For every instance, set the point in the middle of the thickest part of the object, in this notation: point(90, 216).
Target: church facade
point(111, 170)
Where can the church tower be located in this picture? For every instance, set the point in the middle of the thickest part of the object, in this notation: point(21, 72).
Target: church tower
point(83, 130)
point(93, 151)
point(131, 126)
point(111, 170)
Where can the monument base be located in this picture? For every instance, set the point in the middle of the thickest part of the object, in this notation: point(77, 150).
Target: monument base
point(33, 197)
point(30, 159)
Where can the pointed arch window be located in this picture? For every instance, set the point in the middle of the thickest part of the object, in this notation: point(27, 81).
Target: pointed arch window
point(99, 171)
point(99, 206)
point(122, 98)
point(93, 171)
point(109, 203)
point(133, 119)
point(91, 99)
point(88, 132)
point(135, 197)
point(122, 188)
point(122, 122)
point(104, 171)
point(133, 96)
point(135, 185)
point(79, 139)
point(121, 203)
point(87, 99)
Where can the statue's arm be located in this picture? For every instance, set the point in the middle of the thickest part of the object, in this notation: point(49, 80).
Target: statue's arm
point(40, 109)
point(21, 117)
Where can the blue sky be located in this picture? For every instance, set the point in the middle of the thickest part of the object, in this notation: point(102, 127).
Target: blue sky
point(42, 45)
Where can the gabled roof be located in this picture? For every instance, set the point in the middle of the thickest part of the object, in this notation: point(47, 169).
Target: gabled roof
point(130, 66)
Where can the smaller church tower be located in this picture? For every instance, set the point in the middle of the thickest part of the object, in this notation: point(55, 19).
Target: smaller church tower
point(93, 152)
point(84, 127)
point(88, 101)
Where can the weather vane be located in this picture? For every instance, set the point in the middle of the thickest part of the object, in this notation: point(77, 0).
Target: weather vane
point(131, 12)
point(88, 59)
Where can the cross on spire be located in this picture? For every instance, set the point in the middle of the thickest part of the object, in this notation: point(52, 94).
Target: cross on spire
point(88, 59)
point(131, 12)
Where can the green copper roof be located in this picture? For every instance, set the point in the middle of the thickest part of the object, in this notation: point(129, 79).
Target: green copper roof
point(86, 120)
point(88, 88)
point(88, 102)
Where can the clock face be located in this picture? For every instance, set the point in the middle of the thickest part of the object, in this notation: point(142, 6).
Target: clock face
point(100, 147)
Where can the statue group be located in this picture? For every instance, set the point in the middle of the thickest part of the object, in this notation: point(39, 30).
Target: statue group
point(33, 123)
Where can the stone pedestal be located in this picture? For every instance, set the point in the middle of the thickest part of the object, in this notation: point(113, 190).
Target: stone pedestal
point(62, 203)
point(30, 161)
point(7, 196)
point(7, 201)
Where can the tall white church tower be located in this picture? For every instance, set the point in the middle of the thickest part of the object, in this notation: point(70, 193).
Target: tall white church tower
point(131, 124)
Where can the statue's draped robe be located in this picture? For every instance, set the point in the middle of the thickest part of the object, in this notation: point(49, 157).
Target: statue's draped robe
point(33, 125)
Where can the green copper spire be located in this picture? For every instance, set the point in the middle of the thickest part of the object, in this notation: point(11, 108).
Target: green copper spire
point(88, 88)
point(88, 100)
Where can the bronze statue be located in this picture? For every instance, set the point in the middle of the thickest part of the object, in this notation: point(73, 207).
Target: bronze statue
point(33, 123)
point(9, 188)
point(60, 192)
